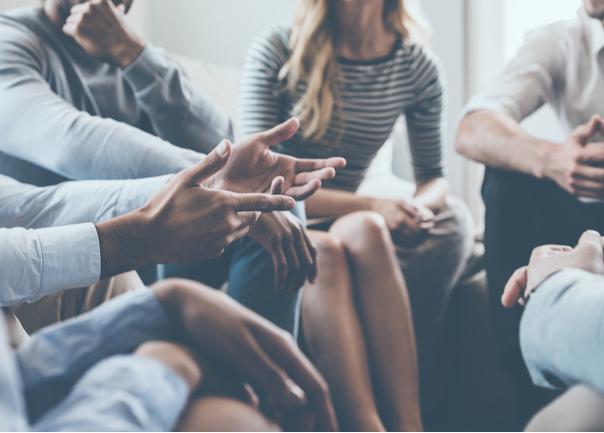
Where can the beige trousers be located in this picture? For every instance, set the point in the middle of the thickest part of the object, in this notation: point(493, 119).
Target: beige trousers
point(26, 319)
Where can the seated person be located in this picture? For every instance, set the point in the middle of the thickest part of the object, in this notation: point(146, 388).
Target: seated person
point(102, 104)
point(349, 70)
point(559, 186)
point(69, 377)
point(562, 289)
point(175, 221)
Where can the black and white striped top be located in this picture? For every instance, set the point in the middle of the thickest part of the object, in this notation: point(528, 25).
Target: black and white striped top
point(372, 95)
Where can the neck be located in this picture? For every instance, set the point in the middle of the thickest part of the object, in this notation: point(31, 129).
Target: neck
point(360, 25)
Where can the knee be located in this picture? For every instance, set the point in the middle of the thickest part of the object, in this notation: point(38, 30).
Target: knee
point(175, 357)
point(362, 230)
point(330, 249)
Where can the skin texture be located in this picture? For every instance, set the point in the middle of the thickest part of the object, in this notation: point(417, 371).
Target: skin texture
point(549, 259)
point(357, 322)
point(594, 8)
point(253, 350)
point(498, 141)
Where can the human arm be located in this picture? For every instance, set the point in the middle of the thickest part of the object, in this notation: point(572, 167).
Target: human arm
point(179, 112)
point(561, 331)
point(23, 205)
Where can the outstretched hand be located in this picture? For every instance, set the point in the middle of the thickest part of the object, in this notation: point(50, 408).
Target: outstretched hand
point(546, 260)
point(253, 166)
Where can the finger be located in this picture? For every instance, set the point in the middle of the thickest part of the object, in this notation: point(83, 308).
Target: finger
point(515, 287)
point(304, 191)
point(584, 132)
point(247, 219)
point(236, 235)
point(212, 163)
point(300, 370)
point(279, 266)
point(70, 29)
point(80, 8)
point(308, 258)
point(270, 377)
point(277, 185)
point(587, 185)
point(316, 164)
point(261, 202)
point(591, 239)
point(294, 267)
point(326, 173)
point(595, 174)
point(281, 132)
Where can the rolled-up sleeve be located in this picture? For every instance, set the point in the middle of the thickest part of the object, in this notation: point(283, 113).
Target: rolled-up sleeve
point(121, 393)
point(35, 263)
point(528, 80)
point(562, 331)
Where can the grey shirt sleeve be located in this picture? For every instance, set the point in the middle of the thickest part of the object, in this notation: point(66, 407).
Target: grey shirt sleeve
point(40, 127)
point(23, 205)
point(562, 331)
point(180, 113)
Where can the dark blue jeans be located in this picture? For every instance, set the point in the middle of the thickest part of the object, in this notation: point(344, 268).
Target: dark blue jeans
point(248, 268)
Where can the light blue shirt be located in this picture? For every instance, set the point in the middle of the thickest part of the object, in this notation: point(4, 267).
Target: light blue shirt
point(39, 261)
point(80, 375)
point(562, 331)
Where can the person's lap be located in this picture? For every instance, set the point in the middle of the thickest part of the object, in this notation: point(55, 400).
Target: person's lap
point(522, 213)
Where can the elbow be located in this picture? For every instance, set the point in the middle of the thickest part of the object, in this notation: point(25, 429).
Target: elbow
point(463, 138)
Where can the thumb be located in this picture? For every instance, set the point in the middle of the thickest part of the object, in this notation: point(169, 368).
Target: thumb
point(212, 163)
point(281, 132)
point(586, 131)
point(591, 239)
point(277, 185)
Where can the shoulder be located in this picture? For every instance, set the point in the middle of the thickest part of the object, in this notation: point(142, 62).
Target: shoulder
point(424, 65)
point(271, 47)
point(18, 36)
point(555, 38)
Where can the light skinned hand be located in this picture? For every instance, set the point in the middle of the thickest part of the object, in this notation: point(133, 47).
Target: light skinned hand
point(254, 166)
point(549, 259)
point(101, 29)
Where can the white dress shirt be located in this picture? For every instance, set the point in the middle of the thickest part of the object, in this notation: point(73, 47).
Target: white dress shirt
point(40, 261)
point(560, 64)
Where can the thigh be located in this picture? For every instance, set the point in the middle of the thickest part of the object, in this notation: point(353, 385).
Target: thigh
point(580, 409)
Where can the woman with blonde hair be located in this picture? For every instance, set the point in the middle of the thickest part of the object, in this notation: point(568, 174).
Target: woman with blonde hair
point(349, 69)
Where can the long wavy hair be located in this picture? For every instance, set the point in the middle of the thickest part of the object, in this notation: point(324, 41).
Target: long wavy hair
point(313, 59)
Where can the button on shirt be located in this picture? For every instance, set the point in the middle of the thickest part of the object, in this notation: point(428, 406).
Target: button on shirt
point(37, 261)
point(560, 64)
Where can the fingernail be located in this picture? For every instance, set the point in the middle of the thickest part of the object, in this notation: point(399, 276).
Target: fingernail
point(223, 148)
point(295, 396)
point(592, 233)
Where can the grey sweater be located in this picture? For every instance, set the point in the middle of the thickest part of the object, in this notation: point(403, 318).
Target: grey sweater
point(64, 114)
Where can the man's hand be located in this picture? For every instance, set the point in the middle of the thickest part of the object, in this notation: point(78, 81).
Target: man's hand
point(577, 166)
point(408, 222)
point(253, 166)
point(285, 238)
point(100, 28)
point(255, 351)
point(549, 259)
point(185, 221)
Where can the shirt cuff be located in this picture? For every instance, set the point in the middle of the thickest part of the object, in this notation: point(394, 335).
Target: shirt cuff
point(71, 257)
point(149, 67)
point(136, 193)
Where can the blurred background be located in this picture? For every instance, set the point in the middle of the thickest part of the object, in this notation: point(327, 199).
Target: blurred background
point(473, 39)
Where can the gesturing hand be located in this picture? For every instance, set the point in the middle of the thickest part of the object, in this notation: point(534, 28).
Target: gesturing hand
point(184, 221)
point(549, 259)
point(577, 165)
point(253, 166)
point(407, 221)
point(100, 28)
point(254, 350)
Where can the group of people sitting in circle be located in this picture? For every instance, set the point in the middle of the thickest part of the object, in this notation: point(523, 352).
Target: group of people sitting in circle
point(276, 296)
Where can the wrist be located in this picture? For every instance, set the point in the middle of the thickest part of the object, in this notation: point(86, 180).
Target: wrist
point(123, 244)
point(545, 152)
point(125, 54)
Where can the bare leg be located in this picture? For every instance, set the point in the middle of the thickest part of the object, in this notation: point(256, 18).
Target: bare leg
point(224, 414)
point(385, 313)
point(335, 339)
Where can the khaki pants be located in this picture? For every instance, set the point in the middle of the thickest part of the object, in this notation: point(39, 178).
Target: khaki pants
point(579, 409)
point(26, 319)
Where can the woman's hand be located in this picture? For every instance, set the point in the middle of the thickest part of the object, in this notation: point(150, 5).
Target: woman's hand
point(408, 222)
point(285, 238)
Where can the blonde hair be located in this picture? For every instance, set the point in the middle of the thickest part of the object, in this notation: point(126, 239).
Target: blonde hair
point(313, 58)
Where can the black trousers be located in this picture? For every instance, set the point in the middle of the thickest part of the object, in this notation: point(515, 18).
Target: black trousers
point(523, 212)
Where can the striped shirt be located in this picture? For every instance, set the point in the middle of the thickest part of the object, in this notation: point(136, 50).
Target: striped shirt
point(372, 95)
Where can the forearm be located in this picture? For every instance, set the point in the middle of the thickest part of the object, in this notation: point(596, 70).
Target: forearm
point(332, 203)
point(432, 194)
point(497, 140)
point(562, 328)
